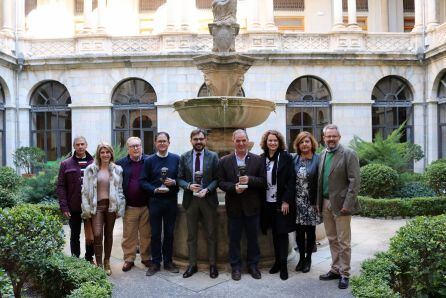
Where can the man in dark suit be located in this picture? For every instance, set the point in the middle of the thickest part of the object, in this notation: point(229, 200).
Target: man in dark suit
point(242, 176)
point(200, 198)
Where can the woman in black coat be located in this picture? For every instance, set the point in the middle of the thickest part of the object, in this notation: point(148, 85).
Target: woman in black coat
point(278, 203)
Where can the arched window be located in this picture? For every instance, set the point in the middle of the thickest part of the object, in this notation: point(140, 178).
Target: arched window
point(51, 119)
point(391, 107)
point(134, 113)
point(2, 126)
point(442, 116)
point(308, 108)
point(204, 92)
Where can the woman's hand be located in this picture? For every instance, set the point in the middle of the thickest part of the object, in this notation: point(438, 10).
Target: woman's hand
point(285, 208)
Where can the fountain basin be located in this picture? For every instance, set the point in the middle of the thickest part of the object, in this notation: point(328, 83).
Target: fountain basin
point(224, 111)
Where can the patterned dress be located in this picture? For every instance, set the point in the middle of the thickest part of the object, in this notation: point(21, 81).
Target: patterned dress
point(305, 213)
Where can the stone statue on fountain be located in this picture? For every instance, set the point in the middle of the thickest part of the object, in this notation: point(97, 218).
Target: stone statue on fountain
point(224, 29)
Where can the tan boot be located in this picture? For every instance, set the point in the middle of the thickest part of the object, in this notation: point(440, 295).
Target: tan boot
point(107, 268)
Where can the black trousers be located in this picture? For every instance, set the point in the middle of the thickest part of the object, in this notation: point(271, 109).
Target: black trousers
point(75, 223)
point(280, 237)
point(236, 225)
point(307, 233)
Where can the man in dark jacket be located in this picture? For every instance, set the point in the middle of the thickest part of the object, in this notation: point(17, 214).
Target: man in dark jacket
point(136, 227)
point(242, 176)
point(69, 186)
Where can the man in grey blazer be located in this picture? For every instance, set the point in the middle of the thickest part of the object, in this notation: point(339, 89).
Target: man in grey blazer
point(200, 198)
point(338, 187)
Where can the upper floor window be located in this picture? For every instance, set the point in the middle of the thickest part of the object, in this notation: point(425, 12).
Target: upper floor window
point(51, 119)
point(79, 6)
point(308, 108)
point(361, 5)
point(441, 96)
point(2, 127)
point(203, 4)
point(150, 5)
point(30, 5)
point(408, 6)
point(296, 5)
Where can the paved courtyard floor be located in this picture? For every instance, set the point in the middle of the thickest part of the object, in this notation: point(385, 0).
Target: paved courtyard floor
point(368, 237)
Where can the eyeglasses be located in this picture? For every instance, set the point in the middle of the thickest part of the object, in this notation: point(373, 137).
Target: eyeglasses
point(136, 146)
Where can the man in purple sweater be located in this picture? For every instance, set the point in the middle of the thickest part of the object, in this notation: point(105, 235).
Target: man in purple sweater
point(69, 186)
point(136, 218)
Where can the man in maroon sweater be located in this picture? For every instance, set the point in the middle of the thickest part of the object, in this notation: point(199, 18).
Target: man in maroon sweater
point(69, 186)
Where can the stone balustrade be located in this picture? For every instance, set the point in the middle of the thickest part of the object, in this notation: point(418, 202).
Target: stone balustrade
point(334, 42)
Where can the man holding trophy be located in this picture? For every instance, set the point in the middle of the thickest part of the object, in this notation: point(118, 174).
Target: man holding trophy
point(242, 176)
point(158, 178)
point(197, 175)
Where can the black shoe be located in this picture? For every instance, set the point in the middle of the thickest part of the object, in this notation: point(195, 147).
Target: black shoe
point(171, 267)
point(255, 273)
point(300, 265)
point(283, 271)
point(330, 275)
point(275, 268)
point(236, 274)
point(154, 268)
point(190, 271)
point(343, 283)
point(307, 265)
point(213, 272)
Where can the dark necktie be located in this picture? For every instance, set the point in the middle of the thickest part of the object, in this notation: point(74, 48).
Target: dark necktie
point(197, 161)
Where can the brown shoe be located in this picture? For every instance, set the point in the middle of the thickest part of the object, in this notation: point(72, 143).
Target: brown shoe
point(127, 266)
point(171, 267)
point(107, 267)
point(146, 263)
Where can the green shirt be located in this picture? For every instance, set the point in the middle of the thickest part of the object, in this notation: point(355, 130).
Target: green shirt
point(326, 172)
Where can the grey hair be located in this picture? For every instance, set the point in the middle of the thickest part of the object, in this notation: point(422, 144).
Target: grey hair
point(237, 131)
point(76, 138)
point(331, 126)
point(132, 139)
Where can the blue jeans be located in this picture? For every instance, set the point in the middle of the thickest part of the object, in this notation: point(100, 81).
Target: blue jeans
point(163, 213)
point(236, 226)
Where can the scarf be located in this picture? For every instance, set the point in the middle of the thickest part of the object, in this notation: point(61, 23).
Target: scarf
point(274, 158)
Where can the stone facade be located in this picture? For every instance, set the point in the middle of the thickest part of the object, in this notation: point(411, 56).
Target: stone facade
point(90, 55)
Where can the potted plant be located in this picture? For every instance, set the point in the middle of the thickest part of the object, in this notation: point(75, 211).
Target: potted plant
point(28, 159)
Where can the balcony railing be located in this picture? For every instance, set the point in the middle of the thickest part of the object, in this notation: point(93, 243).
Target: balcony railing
point(293, 5)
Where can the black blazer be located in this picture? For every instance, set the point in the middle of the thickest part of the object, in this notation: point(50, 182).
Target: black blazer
point(247, 203)
point(286, 192)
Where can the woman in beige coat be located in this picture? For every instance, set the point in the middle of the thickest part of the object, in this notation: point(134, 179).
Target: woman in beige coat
point(103, 201)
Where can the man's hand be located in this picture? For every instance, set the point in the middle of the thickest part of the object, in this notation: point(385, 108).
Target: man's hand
point(169, 182)
point(159, 190)
point(345, 211)
point(285, 208)
point(67, 214)
point(243, 179)
point(202, 193)
point(195, 187)
point(238, 189)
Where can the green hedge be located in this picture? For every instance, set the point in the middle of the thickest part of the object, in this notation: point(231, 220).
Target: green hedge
point(396, 207)
point(62, 275)
point(52, 209)
point(414, 266)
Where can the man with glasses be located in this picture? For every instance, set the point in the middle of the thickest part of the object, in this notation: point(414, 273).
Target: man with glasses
point(163, 193)
point(338, 187)
point(197, 175)
point(136, 229)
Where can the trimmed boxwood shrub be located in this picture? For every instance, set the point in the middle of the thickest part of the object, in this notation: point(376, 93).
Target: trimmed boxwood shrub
point(27, 237)
point(414, 189)
point(60, 275)
point(378, 180)
point(7, 198)
point(6, 289)
point(397, 207)
point(90, 290)
point(414, 266)
point(52, 209)
point(436, 177)
point(9, 179)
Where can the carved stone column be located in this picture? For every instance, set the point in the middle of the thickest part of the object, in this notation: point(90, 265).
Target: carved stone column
point(338, 23)
point(7, 9)
point(170, 17)
point(88, 16)
point(418, 27)
point(253, 17)
point(432, 20)
point(20, 17)
point(269, 21)
point(352, 19)
point(102, 6)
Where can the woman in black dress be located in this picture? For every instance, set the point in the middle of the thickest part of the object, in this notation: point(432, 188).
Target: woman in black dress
point(306, 164)
point(278, 202)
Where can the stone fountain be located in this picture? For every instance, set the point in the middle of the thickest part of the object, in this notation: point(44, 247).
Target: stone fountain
point(222, 113)
point(224, 72)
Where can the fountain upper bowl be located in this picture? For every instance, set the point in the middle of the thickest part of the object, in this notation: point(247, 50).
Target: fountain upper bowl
point(224, 111)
